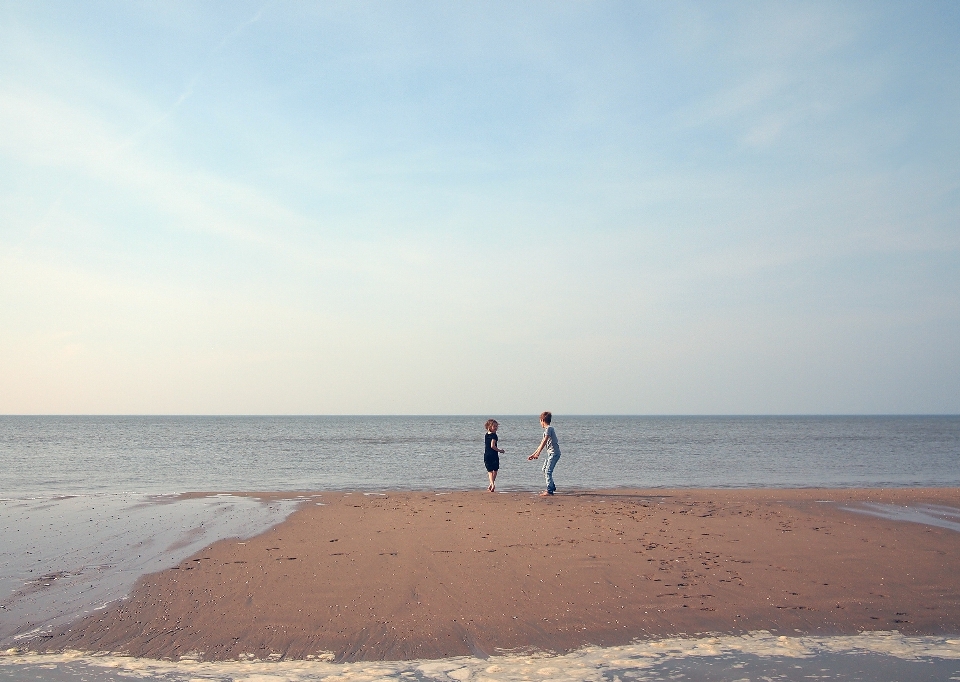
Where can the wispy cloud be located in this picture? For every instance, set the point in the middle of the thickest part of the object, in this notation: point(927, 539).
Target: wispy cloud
point(235, 33)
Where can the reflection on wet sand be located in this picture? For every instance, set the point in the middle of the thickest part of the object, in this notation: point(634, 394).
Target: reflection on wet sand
point(937, 515)
point(64, 557)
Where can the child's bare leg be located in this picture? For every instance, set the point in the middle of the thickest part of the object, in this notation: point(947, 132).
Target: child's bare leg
point(493, 477)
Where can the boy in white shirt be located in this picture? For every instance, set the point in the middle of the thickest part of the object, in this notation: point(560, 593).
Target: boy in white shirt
point(549, 442)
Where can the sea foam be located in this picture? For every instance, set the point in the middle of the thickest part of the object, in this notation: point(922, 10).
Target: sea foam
point(872, 652)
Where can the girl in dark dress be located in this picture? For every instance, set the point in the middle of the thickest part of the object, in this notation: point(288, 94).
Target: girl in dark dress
point(491, 453)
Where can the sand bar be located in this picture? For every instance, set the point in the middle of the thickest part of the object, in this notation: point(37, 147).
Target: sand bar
point(422, 575)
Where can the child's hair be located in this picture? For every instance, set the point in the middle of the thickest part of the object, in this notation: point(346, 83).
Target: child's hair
point(545, 417)
point(491, 423)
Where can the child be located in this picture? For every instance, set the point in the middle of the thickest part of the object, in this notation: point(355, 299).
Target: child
point(549, 442)
point(491, 453)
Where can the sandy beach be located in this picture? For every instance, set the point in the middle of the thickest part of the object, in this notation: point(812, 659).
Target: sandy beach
point(422, 575)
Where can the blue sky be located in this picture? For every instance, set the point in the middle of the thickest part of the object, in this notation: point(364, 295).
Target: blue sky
point(482, 208)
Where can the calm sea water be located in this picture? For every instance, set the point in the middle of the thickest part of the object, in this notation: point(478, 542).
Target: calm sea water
point(45, 455)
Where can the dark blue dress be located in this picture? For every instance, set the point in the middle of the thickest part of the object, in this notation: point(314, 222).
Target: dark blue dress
point(491, 458)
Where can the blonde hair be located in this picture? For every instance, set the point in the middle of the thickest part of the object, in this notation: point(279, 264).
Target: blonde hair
point(490, 423)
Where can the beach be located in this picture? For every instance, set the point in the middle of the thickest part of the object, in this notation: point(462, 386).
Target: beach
point(423, 575)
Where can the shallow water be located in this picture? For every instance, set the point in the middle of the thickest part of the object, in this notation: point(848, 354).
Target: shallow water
point(63, 558)
point(927, 514)
point(869, 656)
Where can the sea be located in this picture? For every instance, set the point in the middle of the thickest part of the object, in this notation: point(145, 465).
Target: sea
point(88, 504)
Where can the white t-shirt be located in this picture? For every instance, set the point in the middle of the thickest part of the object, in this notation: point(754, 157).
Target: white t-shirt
point(552, 446)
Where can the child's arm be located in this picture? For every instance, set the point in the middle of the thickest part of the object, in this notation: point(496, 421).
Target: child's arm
point(493, 444)
point(543, 444)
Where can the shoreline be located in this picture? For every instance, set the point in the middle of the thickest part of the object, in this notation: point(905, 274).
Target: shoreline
point(420, 575)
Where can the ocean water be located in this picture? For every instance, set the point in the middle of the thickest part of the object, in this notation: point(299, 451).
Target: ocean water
point(43, 456)
point(89, 504)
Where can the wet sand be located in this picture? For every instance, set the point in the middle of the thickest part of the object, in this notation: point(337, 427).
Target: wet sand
point(420, 575)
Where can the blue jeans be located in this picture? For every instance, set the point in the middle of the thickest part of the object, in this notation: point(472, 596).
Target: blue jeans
point(548, 465)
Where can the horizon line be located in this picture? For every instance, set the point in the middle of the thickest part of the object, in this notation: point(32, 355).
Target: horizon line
point(478, 414)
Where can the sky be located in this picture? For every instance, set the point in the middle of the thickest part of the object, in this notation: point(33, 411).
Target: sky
point(479, 208)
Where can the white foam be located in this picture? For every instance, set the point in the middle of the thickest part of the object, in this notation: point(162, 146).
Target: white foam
point(588, 664)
